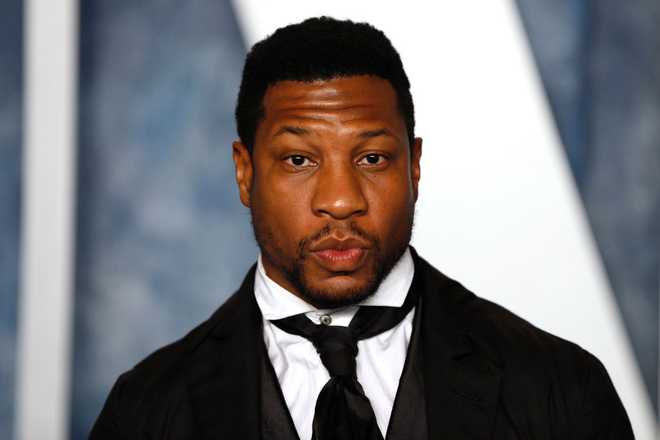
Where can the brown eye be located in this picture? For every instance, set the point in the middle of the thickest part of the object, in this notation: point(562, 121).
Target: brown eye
point(299, 161)
point(372, 159)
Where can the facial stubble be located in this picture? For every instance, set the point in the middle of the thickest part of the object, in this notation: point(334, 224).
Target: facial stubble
point(293, 268)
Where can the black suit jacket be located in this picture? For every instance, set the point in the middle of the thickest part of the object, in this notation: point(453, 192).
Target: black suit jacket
point(488, 375)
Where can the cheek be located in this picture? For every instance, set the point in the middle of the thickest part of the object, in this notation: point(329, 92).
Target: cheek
point(283, 208)
point(390, 203)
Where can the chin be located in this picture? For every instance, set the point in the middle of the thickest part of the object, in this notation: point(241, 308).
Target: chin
point(326, 290)
point(335, 296)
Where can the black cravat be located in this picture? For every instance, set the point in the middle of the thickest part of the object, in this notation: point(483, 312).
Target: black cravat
point(343, 412)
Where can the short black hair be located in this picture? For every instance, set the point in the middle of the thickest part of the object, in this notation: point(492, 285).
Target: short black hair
point(318, 48)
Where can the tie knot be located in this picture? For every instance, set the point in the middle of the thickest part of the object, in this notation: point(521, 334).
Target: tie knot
point(337, 348)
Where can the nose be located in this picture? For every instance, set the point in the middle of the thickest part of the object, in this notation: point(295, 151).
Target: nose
point(338, 193)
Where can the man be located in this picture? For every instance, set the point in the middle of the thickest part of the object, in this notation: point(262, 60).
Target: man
point(341, 331)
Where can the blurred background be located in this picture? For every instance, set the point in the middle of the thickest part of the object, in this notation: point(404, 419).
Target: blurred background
point(121, 226)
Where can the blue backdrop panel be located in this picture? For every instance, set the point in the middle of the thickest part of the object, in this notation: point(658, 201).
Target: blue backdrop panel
point(162, 237)
point(11, 96)
point(600, 63)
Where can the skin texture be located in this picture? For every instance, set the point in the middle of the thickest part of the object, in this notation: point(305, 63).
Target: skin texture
point(331, 184)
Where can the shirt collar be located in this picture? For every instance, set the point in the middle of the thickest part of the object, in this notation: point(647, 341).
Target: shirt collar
point(275, 302)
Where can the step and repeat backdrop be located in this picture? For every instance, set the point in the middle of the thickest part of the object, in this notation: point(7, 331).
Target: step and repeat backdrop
point(540, 180)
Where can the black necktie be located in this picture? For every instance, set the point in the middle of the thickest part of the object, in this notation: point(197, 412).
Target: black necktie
point(343, 412)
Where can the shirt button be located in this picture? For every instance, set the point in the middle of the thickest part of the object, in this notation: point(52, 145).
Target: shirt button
point(326, 319)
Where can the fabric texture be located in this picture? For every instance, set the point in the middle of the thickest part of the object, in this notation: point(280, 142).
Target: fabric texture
point(486, 372)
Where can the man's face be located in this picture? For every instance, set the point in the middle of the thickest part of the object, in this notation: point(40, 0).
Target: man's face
point(331, 185)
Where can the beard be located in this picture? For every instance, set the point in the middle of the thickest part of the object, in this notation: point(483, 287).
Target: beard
point(384, 257)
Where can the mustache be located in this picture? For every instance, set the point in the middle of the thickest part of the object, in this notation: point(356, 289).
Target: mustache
point(352, 229)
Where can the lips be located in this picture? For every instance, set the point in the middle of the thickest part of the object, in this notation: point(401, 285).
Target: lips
point(340, 255)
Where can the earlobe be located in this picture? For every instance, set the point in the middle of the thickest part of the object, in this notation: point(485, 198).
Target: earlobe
point(415, 168)
point(244, 171)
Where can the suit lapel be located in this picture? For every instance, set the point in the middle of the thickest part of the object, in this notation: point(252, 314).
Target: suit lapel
point(224, 379)
point(462, 380)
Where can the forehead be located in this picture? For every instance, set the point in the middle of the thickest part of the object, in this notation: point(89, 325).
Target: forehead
point(340, 103)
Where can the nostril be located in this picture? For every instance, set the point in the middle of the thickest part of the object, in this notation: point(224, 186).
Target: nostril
point(341, 208)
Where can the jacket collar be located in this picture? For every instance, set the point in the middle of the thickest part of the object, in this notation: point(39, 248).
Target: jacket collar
point(461, 376)
point(224, 375)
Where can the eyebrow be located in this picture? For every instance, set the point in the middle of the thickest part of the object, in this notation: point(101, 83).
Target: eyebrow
point(290, 129)
point(375, 133)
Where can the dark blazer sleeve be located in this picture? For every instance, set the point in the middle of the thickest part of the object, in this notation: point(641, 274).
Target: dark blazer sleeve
point(604, 415)
point(108, 423)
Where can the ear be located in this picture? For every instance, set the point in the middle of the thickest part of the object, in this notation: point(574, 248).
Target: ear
point(415, 170)
point(244, 171)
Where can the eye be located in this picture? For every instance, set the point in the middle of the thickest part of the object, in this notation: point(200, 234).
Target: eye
point(299, 161)
point(372, 159)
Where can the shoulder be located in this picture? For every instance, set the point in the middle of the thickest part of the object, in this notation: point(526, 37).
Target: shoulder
point(504, 336)
point(514, 339)
point(573, 384)
point(539, 371)
point(159, 381)
point(173, 358)
point(530, 356)
point(163, 369)
point(510, 340)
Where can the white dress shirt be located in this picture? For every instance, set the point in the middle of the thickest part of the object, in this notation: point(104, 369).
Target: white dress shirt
point(297, 365)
